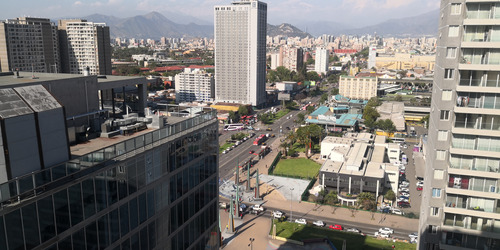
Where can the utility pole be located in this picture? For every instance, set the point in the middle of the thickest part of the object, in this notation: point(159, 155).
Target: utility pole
point(291, 211)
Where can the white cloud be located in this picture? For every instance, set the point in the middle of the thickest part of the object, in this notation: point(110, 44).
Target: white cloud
point(78, 3)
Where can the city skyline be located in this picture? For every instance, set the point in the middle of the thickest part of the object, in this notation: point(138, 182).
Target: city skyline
point(356, 13)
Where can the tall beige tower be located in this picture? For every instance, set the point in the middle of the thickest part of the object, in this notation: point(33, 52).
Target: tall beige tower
point(240, 52)
point(85, 45)
point(29, 44)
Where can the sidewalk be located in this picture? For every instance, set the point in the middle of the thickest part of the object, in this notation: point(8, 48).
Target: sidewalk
point(277, 201)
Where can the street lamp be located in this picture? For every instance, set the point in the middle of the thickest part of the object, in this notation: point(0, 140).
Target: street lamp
point(251, 243)
point(291, 211)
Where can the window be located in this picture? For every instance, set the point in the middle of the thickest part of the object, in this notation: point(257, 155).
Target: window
point(438, 174)
point(434, 211)
point(442, 135)
point(441, 155)
point(453, 31)
point(446, 96)
point(445, 115)
point(451, 52)
point(432, 229)
point(436, 193)
point(456, 8)
point(448, 73)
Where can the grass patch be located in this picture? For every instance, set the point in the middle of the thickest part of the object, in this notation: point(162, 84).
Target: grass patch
point(299, 232)
point(280, 114)
point(225, 146)
point(300, 168)
point(299, 147)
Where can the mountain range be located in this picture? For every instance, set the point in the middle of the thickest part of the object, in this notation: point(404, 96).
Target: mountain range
point(155, 25)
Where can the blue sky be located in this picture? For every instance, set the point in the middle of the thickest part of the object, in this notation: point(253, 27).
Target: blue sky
point(354, 12)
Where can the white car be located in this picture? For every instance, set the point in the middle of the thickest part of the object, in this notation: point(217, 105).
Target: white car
point(353, 230)
point(420, 184)
point(397, 211)
point(277, 214)
point(319, 223)
point(301, 221)
point(404, 185)
point(383, 235)
point(386, 230)
point(413, 235)
point(403, 199)
point(406, 190)
point(404, 194)
point(258, 207)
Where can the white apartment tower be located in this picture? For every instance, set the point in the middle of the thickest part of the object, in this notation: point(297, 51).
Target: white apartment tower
point(85, 45)
point(372, 56)
point(194, 85)
point(461, 195)
point(29, 44)
point(321, 60)
point(240, 52)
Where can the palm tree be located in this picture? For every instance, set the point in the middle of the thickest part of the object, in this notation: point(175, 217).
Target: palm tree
point(305, 134)
point(366, 201)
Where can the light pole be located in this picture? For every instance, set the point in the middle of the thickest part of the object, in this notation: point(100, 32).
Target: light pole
point(251, 243)
point(291, 211)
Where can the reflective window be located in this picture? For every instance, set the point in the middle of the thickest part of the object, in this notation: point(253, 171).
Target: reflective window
point(79, 240)
point(124, 216)
point(133, 213)
point(100, 191)
point(75, 204)
point(14, 229)
point(46, 218)
point(114, 225)
point(132, 177)
point(88, 197)
point(143, 215)
point(134, 241)
point(65, 243)
point(30, 223)
point(91, 236)
point(144, 238)
point(3, 242)
point(126, 244)
point(112, 186)
point(102, 223)
point(151, 203)
point(62, 211)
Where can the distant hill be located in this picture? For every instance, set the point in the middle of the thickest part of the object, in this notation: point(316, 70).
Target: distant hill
point(318, 28)
point(425, 24)
point(152, 25)
point(285, 29)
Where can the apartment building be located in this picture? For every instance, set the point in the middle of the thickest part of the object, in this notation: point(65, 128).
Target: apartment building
point(462, 182)
point(85, 45)
point(151, 189)
point(29, 44)
point(321, 60)
point(291, 58)
point(240, 52)
point(362, 88)
point(194, 85)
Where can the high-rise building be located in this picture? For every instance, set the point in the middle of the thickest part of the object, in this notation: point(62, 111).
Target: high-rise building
point(240, 52)
point(362, 88)
point(152, 189)
point(29, 44)
point(461, 194)
point(293, 57)
point(85, 45)
point(194, 85)
point(321, 60)
point(372, 56)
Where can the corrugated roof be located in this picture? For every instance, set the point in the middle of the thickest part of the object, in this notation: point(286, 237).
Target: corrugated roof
point(12, 105)
point(38, 98)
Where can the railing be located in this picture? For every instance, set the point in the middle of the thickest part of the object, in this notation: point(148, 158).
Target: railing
point(479, 82)
point(30, 185)
point(482, 126)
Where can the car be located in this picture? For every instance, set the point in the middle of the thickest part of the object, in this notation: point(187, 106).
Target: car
point(404, 204)
point(269, 129)
point(420, 183)
point(404, 182)
point(336, 227)
point(405, 147)
point(403, 200)
point(383, 235)
point(385, 210)
point(397, 211)
point(413, 235)
point(404, 194)
point(287, 128)
point(223, 205)
point(407, 190)
point(273, 135)
point(301, 221)
point(404, 185)
point(319, 223)
point(420, 188)
point(243, 207)
point(386, 230)
point(224, 152)
point(257, 129)
point(251, 151)
point(277, 214)
point(353, 230)
point(258, 207)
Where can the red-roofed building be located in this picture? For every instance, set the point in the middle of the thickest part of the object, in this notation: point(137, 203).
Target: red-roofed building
point(201, 67)
point(345, 51)
point(169, 68)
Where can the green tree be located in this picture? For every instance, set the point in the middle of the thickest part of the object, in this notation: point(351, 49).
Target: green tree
point(300, 118)
point(390, 195)
point(291, 105)
point(321, 196)
point(234, 117)
point(324, 98)
point(366, 201)
point(309, 61)
point(264, 118)
point(243, 110)
point(310, 109)
point(386, 125)
point(398, 98)
point(312, 76)
point(370, 115)
point(373, 102)
point(334, 91)
point(306, 135)
point(425, 121)
point(331, 198)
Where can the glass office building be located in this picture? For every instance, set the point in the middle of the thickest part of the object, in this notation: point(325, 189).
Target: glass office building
point(156, 190)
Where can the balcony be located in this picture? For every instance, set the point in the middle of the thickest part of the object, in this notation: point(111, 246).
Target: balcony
point(479, 82)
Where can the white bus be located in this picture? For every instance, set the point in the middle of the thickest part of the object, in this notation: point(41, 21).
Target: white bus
point(235, 126)
point(398, 140)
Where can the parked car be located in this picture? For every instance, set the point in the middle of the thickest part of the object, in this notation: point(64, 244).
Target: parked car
point(353, 230)
point(404, 185)
point(383, 235)
point(223, 205)
point(385, 210)
point(336, 227)
point(404, 182)
point(413, 235)
point(404, 194)
point(319, 223)
point(420, 188)
point(258, 207)
point(277, 214)
point(251, 151)
point(407, 190)
point(386, 230)
point(420, 183)
point(301, 221)
point(269, 129)
point(397, 211)
point(404, 204)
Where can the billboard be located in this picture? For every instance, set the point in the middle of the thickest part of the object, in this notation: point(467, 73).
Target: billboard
point(283, 97)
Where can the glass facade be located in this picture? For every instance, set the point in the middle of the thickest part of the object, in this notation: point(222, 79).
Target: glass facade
point(165, 197)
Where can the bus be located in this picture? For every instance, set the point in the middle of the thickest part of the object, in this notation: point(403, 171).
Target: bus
point(398, 140)
point(259, 139)
point(235, 126)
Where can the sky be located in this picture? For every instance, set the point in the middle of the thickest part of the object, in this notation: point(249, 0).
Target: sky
point(357, 13)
